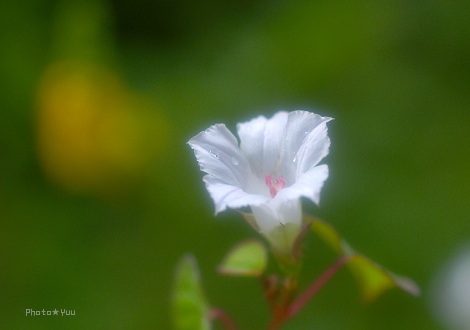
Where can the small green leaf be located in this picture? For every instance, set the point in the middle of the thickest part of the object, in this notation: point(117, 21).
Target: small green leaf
point(373, 279)
point(248, 258)
point(189, 307)
point(328, 234)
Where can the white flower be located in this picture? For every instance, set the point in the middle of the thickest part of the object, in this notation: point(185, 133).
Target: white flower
point(274, 166)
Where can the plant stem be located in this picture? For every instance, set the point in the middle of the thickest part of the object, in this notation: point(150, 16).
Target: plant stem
point(280, 303)
point(279, 317)
point(217, 313)
point(304, 298)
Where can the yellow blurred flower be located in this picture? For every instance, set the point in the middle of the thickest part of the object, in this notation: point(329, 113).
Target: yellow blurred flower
point(93, 134)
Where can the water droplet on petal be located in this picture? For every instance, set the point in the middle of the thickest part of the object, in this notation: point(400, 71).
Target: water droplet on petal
point(234, 161)
point(214, 153)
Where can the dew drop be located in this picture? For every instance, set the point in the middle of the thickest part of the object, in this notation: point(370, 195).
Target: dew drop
point(214, 153)
point(234, 161)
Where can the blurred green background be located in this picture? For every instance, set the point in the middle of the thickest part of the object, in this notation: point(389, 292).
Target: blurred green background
point(100, 195)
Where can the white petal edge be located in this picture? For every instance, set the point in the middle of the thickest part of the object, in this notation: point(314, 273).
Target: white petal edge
point(308, 185)
point(261, 140)
point(217, 153)
point(228, 196)
point(299, 127)
point(313, 149)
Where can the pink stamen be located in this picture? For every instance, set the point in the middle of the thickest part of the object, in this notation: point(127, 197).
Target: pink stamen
point(275, 186)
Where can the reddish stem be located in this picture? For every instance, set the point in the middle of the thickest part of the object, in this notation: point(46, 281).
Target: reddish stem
point(225, 319)
point(304, 298)
point(279, 317)
point(280, 303)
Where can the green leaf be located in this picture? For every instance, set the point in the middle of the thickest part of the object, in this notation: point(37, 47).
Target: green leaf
point(189, 306)
point(372, 278)
point(248, 258)
point(328, 234)
point(375, 280)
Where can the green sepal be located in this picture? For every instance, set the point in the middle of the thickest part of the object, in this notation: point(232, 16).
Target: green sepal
point(296, 251)
point(248, 258)
point(372, 278)
point(188, 305)
point(282, 240)
point(250, 219)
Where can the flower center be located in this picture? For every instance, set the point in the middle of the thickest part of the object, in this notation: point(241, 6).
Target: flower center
point(275, 186)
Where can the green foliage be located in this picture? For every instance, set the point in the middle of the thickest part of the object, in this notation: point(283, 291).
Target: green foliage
point(395, 75)
point(248, 258)
point(189, 307)
point(373, 279)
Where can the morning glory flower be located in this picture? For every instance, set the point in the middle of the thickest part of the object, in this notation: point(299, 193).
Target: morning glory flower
point(270, 169)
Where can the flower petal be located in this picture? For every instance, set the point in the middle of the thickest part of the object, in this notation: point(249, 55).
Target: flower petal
point(308, 185)
point(218, 155)
point(305, 143)
point(226, 195)
point(261, 140)
point(314, 148)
